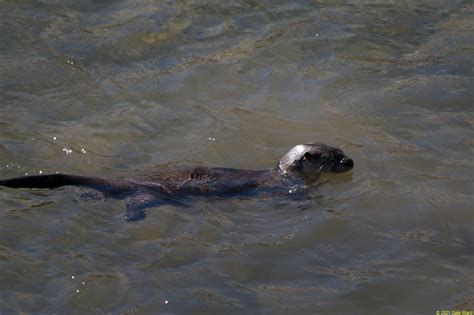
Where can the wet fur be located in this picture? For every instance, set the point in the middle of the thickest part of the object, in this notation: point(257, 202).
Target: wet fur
point(170, 186)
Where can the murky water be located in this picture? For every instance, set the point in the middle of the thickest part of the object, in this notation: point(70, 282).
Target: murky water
point(115, 88)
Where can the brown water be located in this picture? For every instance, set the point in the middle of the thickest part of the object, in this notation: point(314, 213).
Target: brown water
point(115, 88)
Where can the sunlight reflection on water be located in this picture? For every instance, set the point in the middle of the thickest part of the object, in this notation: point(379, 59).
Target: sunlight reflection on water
point(117, 88)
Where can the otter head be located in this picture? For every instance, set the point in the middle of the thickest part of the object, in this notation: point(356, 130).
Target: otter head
point(309, 160)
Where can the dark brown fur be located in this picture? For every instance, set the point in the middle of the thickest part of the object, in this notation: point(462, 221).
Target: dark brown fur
point(299, 166)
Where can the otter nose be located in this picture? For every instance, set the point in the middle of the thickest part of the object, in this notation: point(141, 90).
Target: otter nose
point(347, 162)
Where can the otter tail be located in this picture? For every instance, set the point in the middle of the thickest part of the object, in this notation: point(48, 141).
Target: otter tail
point(53, 181)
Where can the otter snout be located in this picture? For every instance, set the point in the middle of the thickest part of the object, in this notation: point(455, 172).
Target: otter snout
point(345, 164)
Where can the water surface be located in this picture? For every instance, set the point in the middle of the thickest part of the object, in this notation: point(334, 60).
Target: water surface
point(115, 88)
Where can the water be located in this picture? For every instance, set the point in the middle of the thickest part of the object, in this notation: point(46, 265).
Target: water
point(116, 88)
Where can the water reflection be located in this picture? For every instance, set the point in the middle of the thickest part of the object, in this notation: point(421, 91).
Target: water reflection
point(137, 84)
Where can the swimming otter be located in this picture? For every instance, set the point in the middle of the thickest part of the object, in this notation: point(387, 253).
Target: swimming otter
point(299, 166)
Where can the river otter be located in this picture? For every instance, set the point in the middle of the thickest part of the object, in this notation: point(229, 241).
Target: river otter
point(298, 167)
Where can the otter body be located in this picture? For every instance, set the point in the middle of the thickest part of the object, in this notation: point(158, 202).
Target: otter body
point(218, 181)
point(300, 166)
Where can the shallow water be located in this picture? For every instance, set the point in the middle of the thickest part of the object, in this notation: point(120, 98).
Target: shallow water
point(115, 88)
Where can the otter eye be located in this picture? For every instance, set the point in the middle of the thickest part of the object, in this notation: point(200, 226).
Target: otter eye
point(306, 156)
